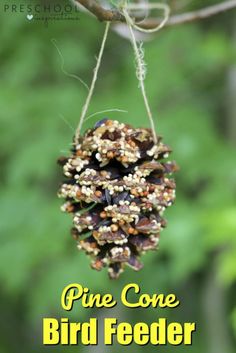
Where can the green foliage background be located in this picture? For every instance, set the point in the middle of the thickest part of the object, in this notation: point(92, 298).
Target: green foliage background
point(189, 80)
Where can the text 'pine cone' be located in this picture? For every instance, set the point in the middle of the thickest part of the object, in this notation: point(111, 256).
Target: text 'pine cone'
point(117, 189)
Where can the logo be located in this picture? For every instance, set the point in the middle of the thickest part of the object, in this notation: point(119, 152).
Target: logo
point(36, 10)
point(30, 17)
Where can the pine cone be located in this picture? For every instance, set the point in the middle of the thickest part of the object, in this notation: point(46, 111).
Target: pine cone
point(117, 190)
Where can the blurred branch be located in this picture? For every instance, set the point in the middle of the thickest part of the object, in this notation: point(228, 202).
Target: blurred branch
point(113, 15)
point(100, 12)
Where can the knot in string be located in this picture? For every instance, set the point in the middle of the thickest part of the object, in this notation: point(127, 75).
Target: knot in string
point(126, 8)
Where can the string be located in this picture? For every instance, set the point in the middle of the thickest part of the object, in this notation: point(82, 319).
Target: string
point(147, 6)
point(139, 52)
point(106, 111)
point(139, 58)
point(66, 122)
point(54, 42)
point(94, 79)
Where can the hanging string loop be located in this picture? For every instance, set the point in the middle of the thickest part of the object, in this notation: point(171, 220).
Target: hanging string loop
point(129, 7)
point(138, 50)
point(138, 53)
point(94, 79)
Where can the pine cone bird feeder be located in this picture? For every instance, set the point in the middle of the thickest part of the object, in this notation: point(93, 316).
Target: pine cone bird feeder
point(116, 189)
